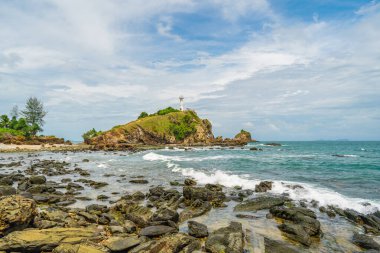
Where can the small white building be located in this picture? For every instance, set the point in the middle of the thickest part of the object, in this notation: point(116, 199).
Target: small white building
point(181, 107)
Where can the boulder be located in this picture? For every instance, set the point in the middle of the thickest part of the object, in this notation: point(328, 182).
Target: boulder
point(196, 209)
point(153, 231)
point(264, 186)
point(6, 190)
point(165, 214)
point(37, 179)
point(259, 203)
point(211, 193)
point(139, 181)
point(365, 242)
point(168, 244)
point(228, 239)
point(197, 229)
point(127, 210)
point(190, 182)
point(16, 213)
point(36, 240)
point(121, 243)
point(295, 232)
point(272, 246)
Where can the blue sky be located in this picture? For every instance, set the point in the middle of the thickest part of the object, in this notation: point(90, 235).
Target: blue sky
point(282, 69)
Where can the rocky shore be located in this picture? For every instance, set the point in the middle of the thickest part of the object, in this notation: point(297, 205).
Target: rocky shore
point(39, 213)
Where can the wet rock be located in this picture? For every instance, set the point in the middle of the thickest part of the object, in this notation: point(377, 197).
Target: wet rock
point(6, 181)
point(127, 210)
point(245, 216)
point(175, 183)
point(116, 229)
point(85, 160)
point(129, 226)
point(137, 196)
point(74, 186)
point(139, 181)
point(36, 240)
point(298, 215)
point(153, 231)
point(12, 164)
point(365, 242)
point(80, 248)
point(259, 203)
point(7, 190)
point(227, 239)
point(16, 213)
point(197, 208)
point(197, 229)
point(41, 188)
point(121, 243)
point(165, 214)
point(272, 246)
point(295, 232)
point(264, 186)
point(190, 182)
point(96, 209)
point(211, 193)
point(168, 244)
point(37, 179)
point(102, 197)
point(352, 215)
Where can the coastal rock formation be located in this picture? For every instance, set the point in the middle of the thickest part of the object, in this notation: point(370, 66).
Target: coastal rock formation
point(259, 203)
point(16, 212)
point(227, 239)
point(243, 136)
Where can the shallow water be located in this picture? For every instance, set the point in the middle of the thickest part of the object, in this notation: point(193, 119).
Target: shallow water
point(346, 174)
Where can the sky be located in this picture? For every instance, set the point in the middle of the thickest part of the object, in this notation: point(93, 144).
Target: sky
point(282, 69)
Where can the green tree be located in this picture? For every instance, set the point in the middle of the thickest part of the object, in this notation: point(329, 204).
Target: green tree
point(14, 112)
point(143, 115)
point(4, 121)
point(34, 114)
point(90, 134)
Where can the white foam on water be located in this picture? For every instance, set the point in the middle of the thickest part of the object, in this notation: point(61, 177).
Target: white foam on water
point(102, 165)
point(157, 157)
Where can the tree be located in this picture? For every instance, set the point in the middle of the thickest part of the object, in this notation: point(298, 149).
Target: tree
point(4, 121)
point(14, 112)
point(34, 114)
point(143, 115)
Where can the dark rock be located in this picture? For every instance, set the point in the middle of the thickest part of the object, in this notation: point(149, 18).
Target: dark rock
point(6, 181)
point(153, 231)
point(190, 182)
point(85, 160)
point(365, 242)
point(245, 216)
point(121, 243)
point(96, 209)
point(197, 208)
point(139, 181)
point(210, 193)
point(197, 229)
point(7, 190)
point(165, 214)
point(102, 197)
point(264, 186)
point(272, 246)
point(259, 203)
point(227, 239)
point(352, 215)
point(37, 179)
point(295, 232)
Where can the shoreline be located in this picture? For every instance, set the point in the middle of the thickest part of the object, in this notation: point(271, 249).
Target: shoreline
point(71, 193)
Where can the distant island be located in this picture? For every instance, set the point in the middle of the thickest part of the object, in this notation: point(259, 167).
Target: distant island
point(168, 126)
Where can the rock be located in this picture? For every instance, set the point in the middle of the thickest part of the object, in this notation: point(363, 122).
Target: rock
point(7, 190)
point(168, 244)
point(96, 209)
point(246, 216)
point(272, 246)
point(352, 215)
point(190, 182)
point(295, 232)
point(116, 229)
point(365, 242)
point(6, 181)
point(36, 240)
point(37, 179)
point(16, 213)
point(298, 215)
point(129, 226)
point(85, 160)
point(139, 181)
point(74, 186)
point(132, 211)
point(137, 196)
point(227, 239)
point(153, 231)
point(196, 209)
point(210, 193)
point(259, 203)
point(175, 183)
point(165, 214)
point(197, 229)
point(273, 144)
point(80, 248)
point(264, 186)
point(121, 243)
point(243, 137)
point(102, 197)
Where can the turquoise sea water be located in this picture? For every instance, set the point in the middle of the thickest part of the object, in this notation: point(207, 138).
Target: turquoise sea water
point(331, 172)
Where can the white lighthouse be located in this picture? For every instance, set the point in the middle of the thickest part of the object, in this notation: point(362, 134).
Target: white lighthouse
point(181, 98)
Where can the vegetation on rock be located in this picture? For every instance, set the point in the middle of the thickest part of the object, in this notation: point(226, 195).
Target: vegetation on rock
point(90, 134)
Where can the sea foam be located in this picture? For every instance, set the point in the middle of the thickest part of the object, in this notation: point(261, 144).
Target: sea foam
point(306, 192)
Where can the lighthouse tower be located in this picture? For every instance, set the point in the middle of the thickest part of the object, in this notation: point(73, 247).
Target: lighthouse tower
point(181, 98)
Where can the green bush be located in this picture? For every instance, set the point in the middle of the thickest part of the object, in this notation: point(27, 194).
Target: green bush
point(90, 134)
point(166, 111)
point(143, 115)
point(183, 128)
